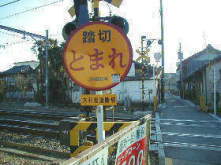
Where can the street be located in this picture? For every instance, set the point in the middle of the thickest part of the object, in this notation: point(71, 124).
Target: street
point(189, 136)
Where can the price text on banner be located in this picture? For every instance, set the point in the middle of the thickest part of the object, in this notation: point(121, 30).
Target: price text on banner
point(132, 147)
point(95, 100)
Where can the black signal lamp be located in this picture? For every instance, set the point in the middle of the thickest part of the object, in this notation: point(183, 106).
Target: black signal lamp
point(120, 22)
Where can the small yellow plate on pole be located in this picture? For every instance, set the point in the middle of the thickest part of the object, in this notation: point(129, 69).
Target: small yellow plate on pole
point(95, 100)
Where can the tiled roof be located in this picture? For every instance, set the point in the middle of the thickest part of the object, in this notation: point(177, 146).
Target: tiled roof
point(17, 69)
point(208, 50)
point(199, 60)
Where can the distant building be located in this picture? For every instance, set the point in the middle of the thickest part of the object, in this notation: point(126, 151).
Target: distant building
point(170, 80)
point(197, 75)
point(20, 81)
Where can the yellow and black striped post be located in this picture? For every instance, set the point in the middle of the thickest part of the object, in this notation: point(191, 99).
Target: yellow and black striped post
point(91, 128)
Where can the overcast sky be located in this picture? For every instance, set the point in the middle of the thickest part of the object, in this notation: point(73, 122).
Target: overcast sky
point(194, 23)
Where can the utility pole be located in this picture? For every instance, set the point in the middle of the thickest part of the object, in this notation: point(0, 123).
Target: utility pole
point(100, 108)
point(162, 51)
point(46, 69)
point(142, 63)
point(180, 57)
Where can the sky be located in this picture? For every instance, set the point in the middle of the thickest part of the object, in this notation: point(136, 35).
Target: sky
point(193, 23)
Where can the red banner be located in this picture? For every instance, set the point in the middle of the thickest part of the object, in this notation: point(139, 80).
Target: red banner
point(135, 154)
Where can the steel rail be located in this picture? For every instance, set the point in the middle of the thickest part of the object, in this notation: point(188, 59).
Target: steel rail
point(33, 152)
point(30, 130)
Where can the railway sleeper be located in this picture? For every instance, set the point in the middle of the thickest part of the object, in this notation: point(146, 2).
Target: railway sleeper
point(30, 130)
point(33, 150)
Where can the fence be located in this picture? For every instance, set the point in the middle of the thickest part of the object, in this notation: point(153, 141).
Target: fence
point(130, 145)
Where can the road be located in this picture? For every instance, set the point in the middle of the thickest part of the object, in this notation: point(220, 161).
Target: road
point(189, 136)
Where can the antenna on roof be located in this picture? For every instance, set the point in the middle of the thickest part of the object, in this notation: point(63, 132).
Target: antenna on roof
point(180, 52)
point(205, 39)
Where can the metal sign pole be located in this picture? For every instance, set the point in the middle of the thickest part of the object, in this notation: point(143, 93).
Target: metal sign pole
point(100, 119)
point(142, 63)
point(100, 108)
point(162, 51)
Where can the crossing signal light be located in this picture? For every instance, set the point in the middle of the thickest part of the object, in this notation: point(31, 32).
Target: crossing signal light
point(120, 22)
point(149, 43)
point(68, 28)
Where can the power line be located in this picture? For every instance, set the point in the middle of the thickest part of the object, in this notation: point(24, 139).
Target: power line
point(10, 34)
point(4, 45)
point(54, 36)
point(9, 3)
point(32, 9)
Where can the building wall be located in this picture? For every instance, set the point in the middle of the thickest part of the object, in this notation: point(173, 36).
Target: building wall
point(210, 81)
point(132, 90)
point(14, 84)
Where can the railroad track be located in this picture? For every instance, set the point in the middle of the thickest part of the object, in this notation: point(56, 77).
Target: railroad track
point(33, 152)
point(30, 127)
point(37, 114)
point(21, 126)
point(39, 124)
point(46, 124)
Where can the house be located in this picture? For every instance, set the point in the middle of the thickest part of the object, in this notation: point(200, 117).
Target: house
point(20, 81)
point(197, 75)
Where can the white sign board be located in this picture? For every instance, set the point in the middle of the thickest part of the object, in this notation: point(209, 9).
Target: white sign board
point(132, 147)
point(157, 57)
point(99, 158)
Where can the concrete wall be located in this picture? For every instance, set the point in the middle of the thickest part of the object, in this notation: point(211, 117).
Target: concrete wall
point(20, 95)
point(132, 90)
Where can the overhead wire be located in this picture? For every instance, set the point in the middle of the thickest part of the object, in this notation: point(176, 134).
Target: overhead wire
point(9, 34)
point(2, 5)
point(7, 44)
point(32, 9)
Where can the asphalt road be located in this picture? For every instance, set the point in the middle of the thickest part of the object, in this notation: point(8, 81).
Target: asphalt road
point(190, 137)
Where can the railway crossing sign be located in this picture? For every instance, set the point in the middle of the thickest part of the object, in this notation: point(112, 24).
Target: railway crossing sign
point(143, 56)
point(98, 56)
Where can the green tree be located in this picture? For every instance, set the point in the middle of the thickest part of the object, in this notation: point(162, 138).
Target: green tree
point(57, 77)
point(2, 90)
